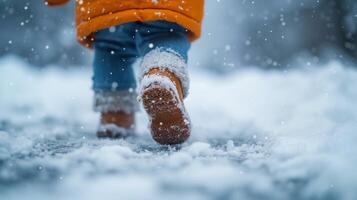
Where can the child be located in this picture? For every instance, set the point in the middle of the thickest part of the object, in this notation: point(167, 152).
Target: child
point(159, 31)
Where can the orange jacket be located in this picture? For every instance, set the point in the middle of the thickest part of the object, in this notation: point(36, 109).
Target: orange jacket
point(93, 15)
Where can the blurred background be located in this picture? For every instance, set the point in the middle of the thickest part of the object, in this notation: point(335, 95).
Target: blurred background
point(237, 33)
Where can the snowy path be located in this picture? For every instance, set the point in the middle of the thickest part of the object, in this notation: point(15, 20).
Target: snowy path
point(257, 135)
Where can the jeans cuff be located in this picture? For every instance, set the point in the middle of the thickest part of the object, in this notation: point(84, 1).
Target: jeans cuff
point(116, 101)
point(166, 59)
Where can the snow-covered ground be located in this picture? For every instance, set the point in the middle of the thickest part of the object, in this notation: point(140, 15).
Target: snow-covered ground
point(257, 135)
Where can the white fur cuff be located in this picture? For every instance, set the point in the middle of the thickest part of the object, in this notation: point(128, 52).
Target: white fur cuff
point(108, 101)
point(166, 59)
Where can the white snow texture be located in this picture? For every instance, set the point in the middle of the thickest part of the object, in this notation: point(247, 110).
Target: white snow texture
point(256, 135)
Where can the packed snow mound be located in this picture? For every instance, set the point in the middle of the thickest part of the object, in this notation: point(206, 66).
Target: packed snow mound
point(257, 135)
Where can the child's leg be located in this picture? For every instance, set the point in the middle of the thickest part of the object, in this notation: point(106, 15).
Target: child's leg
point(165, 45)
point(164, 80)
point(114, 82)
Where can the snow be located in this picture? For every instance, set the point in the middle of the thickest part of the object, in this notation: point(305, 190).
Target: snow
point(257, 135)
point(116, 130)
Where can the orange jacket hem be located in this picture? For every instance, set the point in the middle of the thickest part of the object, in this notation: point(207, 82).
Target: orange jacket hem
point(86, 29)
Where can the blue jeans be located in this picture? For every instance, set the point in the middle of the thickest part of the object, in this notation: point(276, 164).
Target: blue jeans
point(117, 48)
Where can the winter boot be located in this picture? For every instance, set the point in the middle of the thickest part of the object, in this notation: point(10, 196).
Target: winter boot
point(116, 125)
point(162, 97)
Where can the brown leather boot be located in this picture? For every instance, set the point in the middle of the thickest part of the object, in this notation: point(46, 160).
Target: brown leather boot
point(163, 102)
point(116, 125)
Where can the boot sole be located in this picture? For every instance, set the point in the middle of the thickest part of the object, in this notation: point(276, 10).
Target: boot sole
point(169, 122)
